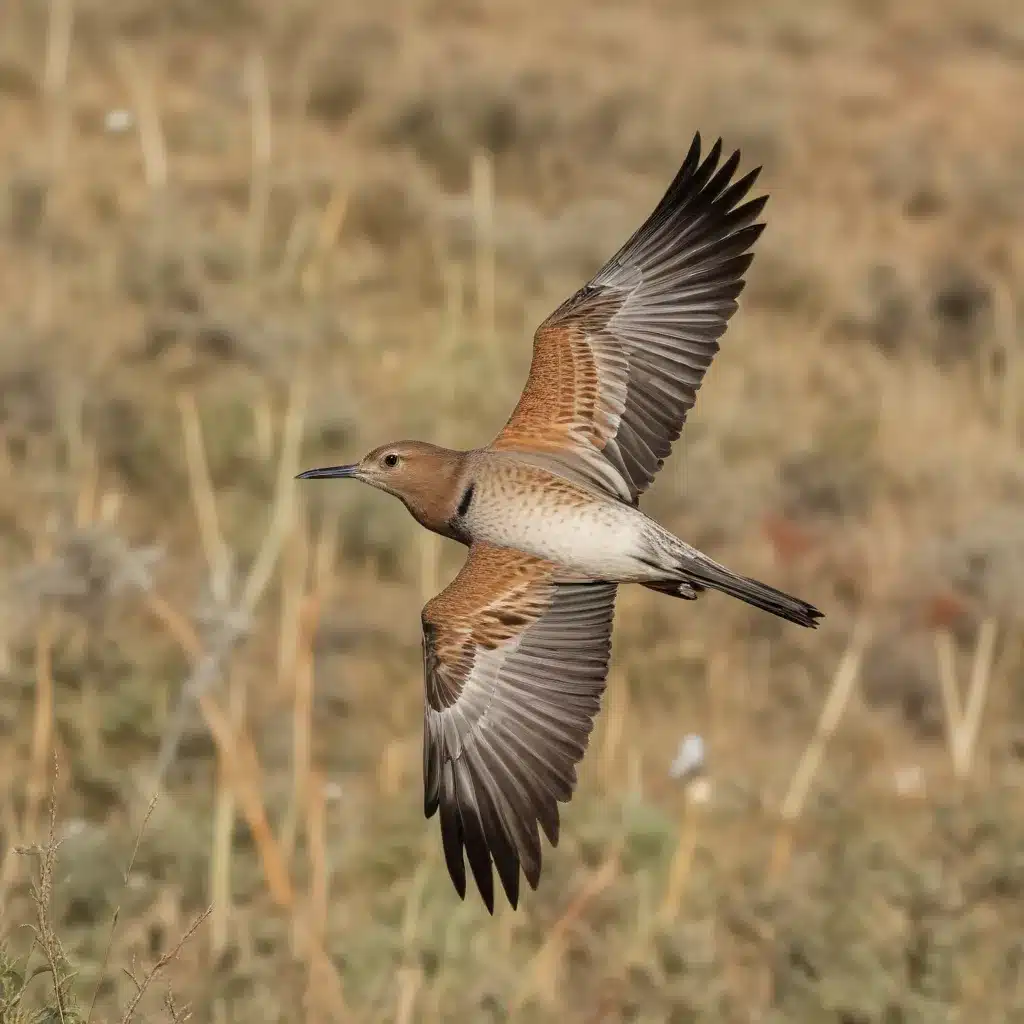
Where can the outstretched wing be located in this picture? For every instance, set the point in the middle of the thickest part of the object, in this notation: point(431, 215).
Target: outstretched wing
point(616, 367)
point(515, 656)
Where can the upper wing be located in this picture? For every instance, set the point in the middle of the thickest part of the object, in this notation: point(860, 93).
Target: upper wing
point(515, 657)
point(616, 367)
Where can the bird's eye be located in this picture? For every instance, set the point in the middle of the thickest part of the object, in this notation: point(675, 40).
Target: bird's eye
point(391, 460)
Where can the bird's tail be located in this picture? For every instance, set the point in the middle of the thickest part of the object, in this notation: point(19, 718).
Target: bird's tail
point(696, 574)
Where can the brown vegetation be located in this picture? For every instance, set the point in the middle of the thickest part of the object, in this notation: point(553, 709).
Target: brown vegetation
point(237, 233)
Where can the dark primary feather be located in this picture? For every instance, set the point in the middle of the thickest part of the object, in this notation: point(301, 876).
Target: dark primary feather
point(506, 723)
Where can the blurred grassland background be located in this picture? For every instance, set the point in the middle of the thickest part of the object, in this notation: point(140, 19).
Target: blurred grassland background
point(242, 237)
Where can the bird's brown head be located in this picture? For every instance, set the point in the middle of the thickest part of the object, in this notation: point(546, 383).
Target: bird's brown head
point(424, 476)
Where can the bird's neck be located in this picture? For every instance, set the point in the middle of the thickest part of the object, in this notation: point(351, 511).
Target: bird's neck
point(436, 504)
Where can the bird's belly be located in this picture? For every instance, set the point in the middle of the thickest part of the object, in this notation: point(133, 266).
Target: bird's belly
point(602, 541)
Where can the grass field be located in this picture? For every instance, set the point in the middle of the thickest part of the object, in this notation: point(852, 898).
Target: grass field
point(241, 237)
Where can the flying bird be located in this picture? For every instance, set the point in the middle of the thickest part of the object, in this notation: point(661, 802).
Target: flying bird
point(516, 648)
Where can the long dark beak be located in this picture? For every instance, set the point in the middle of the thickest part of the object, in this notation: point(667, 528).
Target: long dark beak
point(330, 473)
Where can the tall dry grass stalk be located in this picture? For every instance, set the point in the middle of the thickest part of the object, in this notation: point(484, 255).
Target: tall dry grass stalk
point(680, 866)
point(482, 197)
point(325, 553)
point(87, 502)
point(262, 410)
point(408, 986)
point(224, 813)
point(543, 973)
point(698, 793)
point(963, 718)
point(283, 508)
point(304, 590)
point(843, 683)
point(293, 575)
point(204, 504)
point(680, 869)
point(41, 750)
point(11, 828)
point(410, 990)
point(151, 137)
point(392, 766)
point(311, 278)
point(258, 91)
point(59, 30)
point(319, 891)
point(40, 753)
point(84, 468)
point(79, 465)
point(302, 723)
point(42, 725)
point(60, 24)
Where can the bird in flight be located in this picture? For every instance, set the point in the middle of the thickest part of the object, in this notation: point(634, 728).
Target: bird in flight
point(516, 648)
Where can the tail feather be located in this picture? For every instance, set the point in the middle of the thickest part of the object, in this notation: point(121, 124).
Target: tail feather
point(700, 574)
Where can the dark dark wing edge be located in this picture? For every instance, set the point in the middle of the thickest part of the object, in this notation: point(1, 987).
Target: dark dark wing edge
point(505, 725)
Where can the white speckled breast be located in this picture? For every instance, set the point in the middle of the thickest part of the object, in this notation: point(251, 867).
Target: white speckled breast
point(542, 514)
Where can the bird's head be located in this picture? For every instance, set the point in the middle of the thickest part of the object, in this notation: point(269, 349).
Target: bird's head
point(423, 476)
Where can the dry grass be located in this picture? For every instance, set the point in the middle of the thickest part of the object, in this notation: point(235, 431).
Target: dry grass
point(238, 237)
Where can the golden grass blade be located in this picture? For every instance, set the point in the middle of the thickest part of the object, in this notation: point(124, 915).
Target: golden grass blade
point(294, 570)
point(482, 189)
point(282, 515)
point(12, 829)
point(325, 557)
point(263, 424)
point(410, 981)
point(681, 865)
point(945, 654)
point(59, 30)
point(963, 718)
point(42, 725)
point(302, 724)
point(151, 135)
point(838, 697)
point(204, 501)
point(311, 281)
point(258, 91)
point(242, 771)
point(316, 833)
point(541, 974)
point(977, 693)
point(843, 682)
point(223, 831)
point(319, 887)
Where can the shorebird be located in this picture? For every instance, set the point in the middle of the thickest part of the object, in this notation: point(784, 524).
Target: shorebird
point(516, 648)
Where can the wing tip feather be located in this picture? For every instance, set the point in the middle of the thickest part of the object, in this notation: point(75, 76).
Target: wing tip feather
point(497, 786)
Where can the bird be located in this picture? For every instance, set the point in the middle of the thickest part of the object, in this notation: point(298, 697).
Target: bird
point(516, 648)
